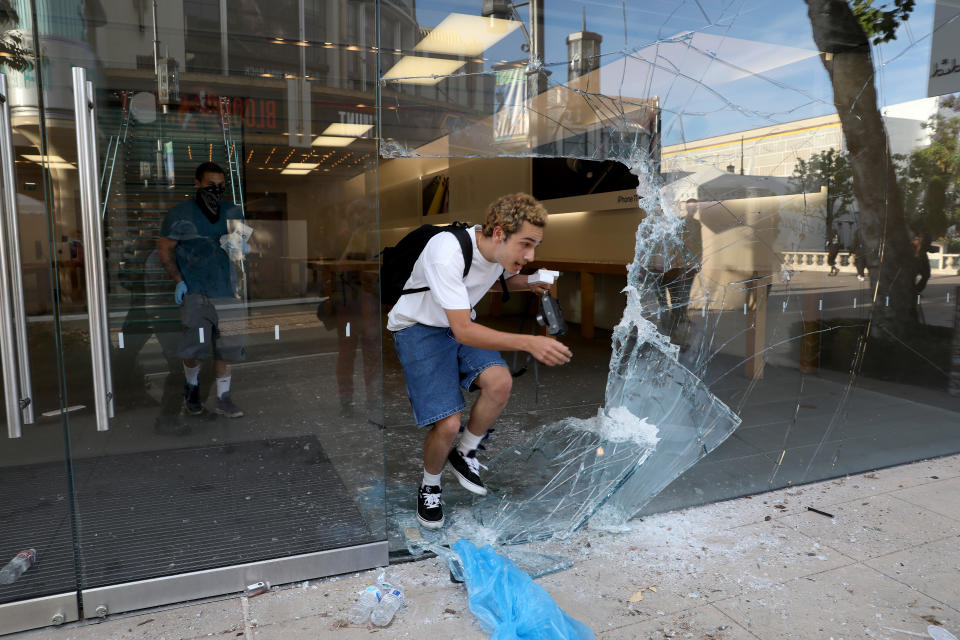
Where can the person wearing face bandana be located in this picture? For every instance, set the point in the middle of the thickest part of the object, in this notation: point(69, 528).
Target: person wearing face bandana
point(193, 248)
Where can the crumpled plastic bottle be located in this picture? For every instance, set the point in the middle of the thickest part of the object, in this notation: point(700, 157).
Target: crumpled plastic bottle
point(389, 605)
point(20, 563)
point(365, 605)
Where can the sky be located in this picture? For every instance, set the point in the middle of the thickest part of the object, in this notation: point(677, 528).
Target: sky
point(781, 78)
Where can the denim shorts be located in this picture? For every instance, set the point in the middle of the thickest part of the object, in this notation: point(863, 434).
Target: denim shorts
point(436, 367)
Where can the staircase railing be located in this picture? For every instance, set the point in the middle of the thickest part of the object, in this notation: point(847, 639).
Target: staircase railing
point(236, 188)
point(113, 146)
point(233, 161)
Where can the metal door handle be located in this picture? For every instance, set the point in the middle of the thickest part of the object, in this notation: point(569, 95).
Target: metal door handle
point(17, 388)
point(85, 112)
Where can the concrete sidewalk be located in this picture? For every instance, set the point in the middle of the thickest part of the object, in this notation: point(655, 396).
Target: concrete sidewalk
point(884, 566)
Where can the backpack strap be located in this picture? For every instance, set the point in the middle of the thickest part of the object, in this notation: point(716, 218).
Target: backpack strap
point(459, 230)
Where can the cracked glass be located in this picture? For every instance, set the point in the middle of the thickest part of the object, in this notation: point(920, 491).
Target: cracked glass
point(754, 210)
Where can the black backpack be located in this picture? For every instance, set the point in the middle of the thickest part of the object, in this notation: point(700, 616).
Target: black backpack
point(396, 262)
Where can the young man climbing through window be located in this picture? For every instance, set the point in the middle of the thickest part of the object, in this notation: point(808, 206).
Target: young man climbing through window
point(441, 349)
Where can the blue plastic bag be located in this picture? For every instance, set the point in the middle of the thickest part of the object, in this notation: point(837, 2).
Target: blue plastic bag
point(508, 603)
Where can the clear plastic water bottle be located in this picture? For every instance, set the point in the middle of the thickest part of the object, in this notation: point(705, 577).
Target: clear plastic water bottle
point(389, 605)
point(364, 606)
point(20, 563)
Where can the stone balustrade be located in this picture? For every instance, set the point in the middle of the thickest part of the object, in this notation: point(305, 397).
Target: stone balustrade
point(940, 263)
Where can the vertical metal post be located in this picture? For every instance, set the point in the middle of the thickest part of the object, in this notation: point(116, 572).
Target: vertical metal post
point(13, 322)
point(156, 56)
point(536, 82)
point(83, 103)
point(224, 50)
point(536, 42)
point(304, 128)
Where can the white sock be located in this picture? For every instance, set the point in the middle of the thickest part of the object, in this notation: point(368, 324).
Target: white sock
point(468, 442)
point(191, 373)
point(223, 386)
point(430, 479)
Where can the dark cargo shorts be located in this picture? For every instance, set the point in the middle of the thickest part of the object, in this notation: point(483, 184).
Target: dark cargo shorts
point(212, 323)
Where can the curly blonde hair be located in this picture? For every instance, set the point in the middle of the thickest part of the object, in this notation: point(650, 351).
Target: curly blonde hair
point(511, 211)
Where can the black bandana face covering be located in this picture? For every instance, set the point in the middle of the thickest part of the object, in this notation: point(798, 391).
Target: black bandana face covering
point(208, 199)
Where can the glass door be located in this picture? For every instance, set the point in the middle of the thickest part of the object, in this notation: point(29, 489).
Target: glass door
point(37, 512)
point(215, 310)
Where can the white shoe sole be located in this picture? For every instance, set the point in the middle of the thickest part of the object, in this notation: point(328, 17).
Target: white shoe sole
point(430, 524)
point(469, 486)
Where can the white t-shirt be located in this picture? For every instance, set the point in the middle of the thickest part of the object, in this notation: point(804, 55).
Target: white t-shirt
point(440, 267)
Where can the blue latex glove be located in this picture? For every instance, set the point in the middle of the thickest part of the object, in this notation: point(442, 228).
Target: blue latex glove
point(231, 247)
point(179, 292)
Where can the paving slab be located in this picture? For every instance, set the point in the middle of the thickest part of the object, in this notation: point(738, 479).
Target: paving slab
point(930, 569)
point(442, 614)
point(874, 526)
point(886, 480)
point(940, 496)
point(221, 618)
point(852, 602)
point(687, 564)
point(707, 623)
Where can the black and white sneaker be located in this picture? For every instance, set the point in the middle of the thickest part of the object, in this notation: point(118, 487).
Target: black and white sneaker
point(226, 407)
point(429, 507)
point(467, 470)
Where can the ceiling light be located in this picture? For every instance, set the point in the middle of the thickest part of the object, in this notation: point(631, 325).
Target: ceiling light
point(464, 35)
point(331, 141)
point(295, 172)
point(344, 129)
point(302, 165)
point(426, 71)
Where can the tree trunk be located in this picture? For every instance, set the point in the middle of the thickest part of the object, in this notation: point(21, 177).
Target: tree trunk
point(845, 53)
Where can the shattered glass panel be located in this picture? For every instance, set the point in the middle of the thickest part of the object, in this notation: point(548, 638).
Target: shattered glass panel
point(420, 541)
point(756, 213)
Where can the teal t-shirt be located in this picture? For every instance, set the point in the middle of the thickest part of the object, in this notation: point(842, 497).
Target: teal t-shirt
point(205, 267)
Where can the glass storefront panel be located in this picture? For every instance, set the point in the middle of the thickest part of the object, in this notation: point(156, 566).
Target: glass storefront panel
point(275, 452)
point(729, 156)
